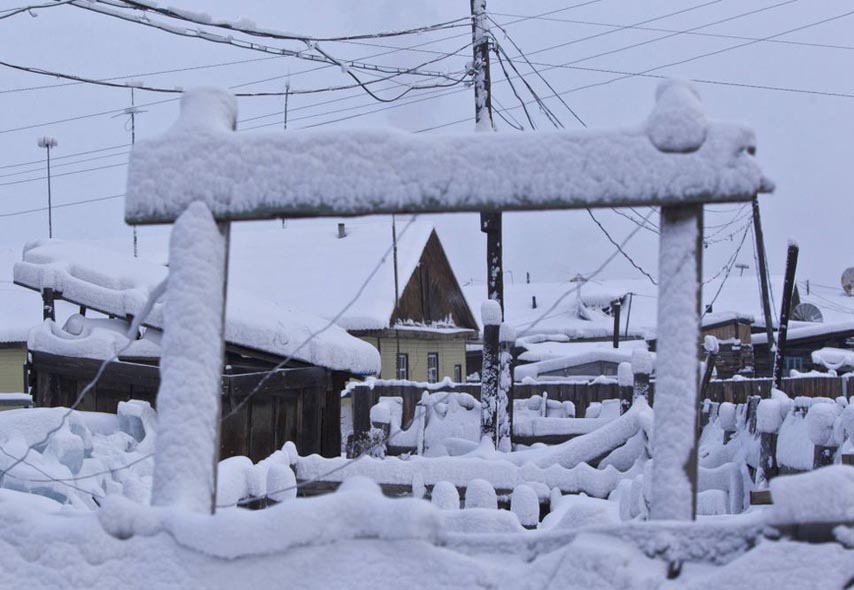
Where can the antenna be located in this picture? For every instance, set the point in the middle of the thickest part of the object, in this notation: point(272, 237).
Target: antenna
point(741, 268)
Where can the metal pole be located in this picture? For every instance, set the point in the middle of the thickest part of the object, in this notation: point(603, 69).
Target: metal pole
point(49, 199)
point(48, 143)
point(763, 277)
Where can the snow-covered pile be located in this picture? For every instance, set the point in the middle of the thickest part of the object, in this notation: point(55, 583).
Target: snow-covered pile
point(77, 458)
point(119, 286)
point(377, 171)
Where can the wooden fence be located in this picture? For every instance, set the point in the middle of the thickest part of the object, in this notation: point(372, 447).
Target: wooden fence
point(296, 405)
point(364, 396)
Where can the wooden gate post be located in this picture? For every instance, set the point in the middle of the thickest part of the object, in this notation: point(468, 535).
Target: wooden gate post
point(674, 469)
point(189, 401)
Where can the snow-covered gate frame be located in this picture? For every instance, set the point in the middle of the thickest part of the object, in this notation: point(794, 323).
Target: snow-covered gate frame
point(676, 160)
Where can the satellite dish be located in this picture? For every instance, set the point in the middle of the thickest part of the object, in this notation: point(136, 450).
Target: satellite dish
point(848, 280)
point(807, 312)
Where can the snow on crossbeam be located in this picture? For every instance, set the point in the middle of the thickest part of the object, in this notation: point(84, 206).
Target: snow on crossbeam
point(676, 156)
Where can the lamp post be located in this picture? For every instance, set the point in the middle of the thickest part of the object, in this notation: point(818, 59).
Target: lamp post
point(47, 143)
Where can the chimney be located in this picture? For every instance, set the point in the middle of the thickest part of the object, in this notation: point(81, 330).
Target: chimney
point(342, 232)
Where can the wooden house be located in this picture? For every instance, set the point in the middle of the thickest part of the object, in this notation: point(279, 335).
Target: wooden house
point(352, 273)
point(299, 402)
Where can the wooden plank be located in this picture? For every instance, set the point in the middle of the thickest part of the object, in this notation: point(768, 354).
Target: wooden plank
point(760, 498)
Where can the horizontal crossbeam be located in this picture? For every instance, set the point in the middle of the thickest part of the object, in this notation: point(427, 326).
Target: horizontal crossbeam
point(675, 157)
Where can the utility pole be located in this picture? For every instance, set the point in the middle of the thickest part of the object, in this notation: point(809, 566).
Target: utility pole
point(132, 143)
point(490, 221)
point(48, 143)
point(763, 277)
point(496, 396)
point(396, 300)
point(285, 128)
point(788, 289)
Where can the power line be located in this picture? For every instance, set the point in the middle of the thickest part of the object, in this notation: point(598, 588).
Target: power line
point(683, 32)
point(62, 206)
point(73, 172)
point(662, 66)
point(239, 27)
point(139, 75)
point(229, 40)
point(728, 271)
point(74, 163)
point(95, 151)
point(13, 11)
point(620, 248)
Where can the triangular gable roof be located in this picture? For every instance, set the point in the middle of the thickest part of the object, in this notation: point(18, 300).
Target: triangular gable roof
point(311, 268)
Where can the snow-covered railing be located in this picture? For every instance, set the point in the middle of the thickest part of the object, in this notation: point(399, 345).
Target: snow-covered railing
point(677, 159)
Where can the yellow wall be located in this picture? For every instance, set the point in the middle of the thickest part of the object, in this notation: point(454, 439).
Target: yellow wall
point(12, 369)
point(451, 352)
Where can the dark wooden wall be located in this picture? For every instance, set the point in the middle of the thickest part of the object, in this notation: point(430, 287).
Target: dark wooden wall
point(300, 405)
point(432, 293)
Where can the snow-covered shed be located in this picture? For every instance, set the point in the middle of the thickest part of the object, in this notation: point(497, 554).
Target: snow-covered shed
point(300, 402)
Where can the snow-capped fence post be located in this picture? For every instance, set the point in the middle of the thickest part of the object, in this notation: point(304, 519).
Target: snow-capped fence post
point(504, 406)
point(710, 345)
point(189, 398)
point(490, 375)
point(674, 469)
point(641, 367)
point(769, 417)
point(625, 378)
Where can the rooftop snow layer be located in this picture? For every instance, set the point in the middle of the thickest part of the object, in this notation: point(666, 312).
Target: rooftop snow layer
point(119, 285)
point(676, 156)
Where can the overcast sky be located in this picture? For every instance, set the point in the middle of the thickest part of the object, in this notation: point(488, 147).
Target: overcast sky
point(804, 124)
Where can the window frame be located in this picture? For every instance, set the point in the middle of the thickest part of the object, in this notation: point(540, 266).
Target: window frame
point(434, 378)
point(404, 366)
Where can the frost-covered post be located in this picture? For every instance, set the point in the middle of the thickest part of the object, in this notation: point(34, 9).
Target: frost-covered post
point(189, 398)
point(188, 401)
point(504, 406)
point(674, 470)
point(677, 125)
point(490, 377)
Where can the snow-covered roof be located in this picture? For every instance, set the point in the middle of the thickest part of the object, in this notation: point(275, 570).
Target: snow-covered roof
point(119, 285)
point(578, 315)
point(311, 268)
point(558, 356)
point(675, 156)
point(803, 330)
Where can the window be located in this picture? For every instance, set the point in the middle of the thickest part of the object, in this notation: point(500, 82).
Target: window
point(458, 373)
point(432, 367)
point(402, 365)
point(793, 362)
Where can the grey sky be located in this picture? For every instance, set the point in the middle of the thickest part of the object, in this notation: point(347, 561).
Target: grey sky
point(804, 139)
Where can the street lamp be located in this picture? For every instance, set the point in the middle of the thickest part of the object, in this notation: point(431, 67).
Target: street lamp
point(47, 143)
